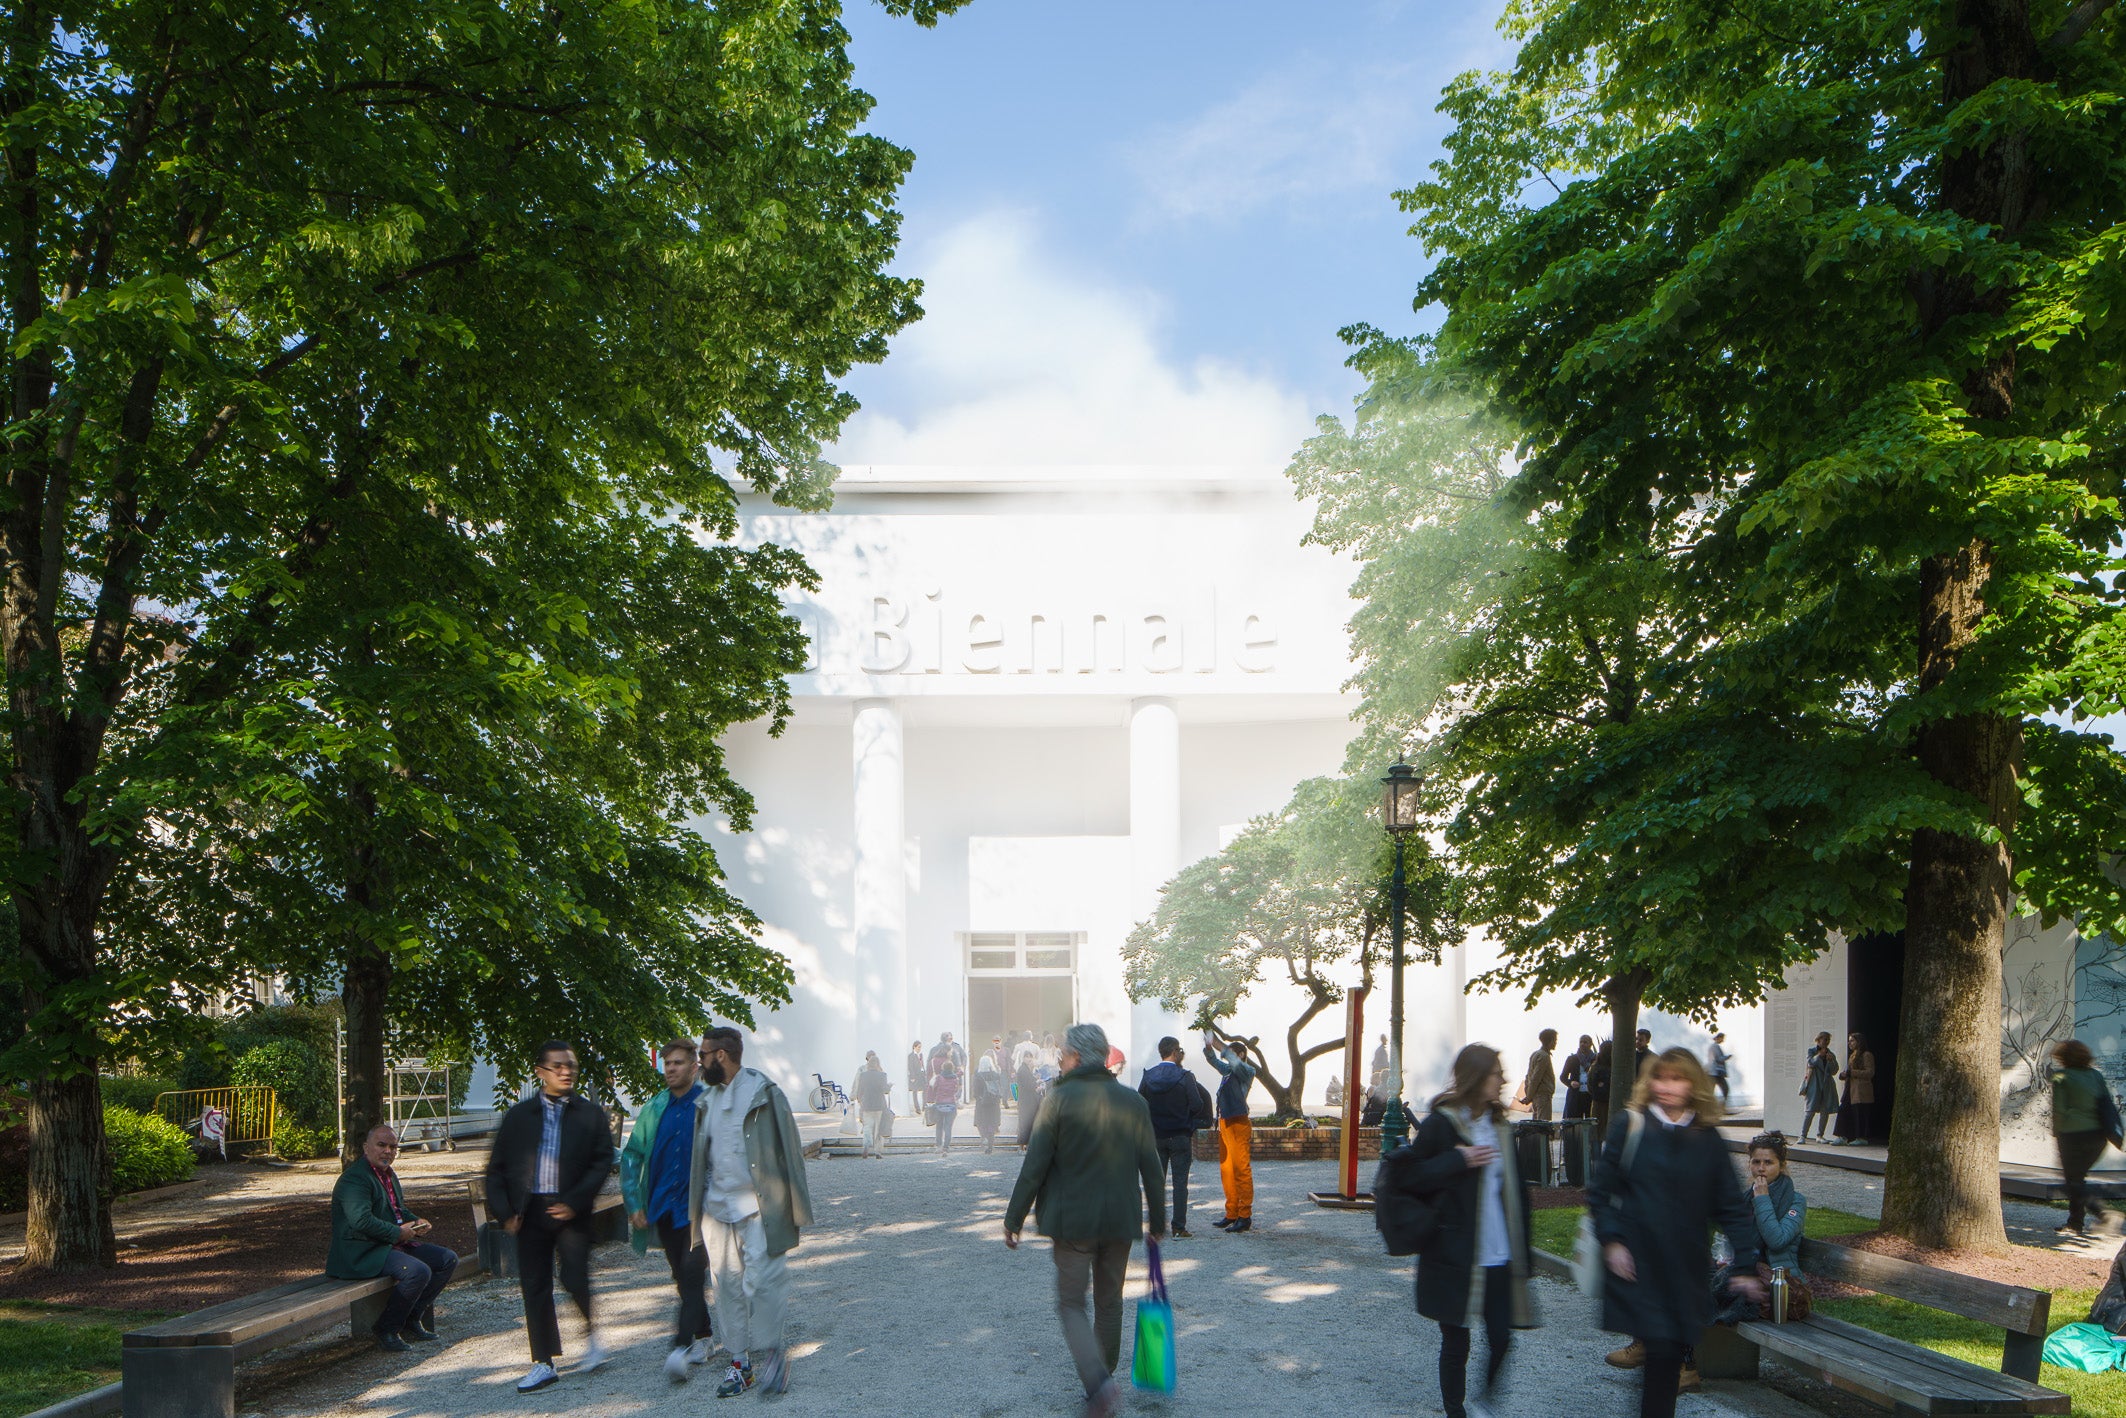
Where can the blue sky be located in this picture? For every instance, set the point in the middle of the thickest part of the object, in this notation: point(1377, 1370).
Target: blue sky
point(1141, 224)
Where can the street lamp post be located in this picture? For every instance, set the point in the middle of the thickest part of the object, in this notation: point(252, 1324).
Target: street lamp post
point(1399, 814)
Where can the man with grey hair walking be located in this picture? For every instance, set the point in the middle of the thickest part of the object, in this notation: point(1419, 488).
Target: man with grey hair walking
point(1091, 1177)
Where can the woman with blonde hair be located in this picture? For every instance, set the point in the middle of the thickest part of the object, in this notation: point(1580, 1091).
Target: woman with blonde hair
point(1475, 1268)
point(1662, 1183)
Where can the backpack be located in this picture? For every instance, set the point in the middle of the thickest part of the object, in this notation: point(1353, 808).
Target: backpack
point(1407, 1220)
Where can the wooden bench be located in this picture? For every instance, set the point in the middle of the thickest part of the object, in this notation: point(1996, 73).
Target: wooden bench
point(1904, 1376)
point(186, 1368)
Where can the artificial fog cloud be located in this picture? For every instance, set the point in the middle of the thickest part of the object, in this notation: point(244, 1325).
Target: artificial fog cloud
point(1020, 359)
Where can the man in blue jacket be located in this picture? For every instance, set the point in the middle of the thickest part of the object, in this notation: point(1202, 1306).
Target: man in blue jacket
point(1234, 1131)
point(1179, 1106)
point(655, 1169)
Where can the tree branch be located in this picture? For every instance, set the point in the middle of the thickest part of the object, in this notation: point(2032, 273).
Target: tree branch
point(2077, 24)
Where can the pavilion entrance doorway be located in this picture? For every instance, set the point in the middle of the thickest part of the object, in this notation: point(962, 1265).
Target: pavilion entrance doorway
point(1018, 982)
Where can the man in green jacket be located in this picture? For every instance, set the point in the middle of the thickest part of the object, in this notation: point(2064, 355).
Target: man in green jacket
point(749, 1202)
point(1091, 1156)
point(373, 1233)
point(655, 1174)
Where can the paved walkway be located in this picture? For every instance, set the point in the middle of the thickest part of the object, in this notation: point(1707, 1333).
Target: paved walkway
point(906, 1303)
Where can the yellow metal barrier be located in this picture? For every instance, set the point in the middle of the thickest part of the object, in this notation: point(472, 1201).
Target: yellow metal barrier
point(245, 1114)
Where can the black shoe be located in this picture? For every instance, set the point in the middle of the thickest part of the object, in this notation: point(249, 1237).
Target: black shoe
point(1222, 1222)
point(1182, 1233)
point(390, 1343)
point(414, 1332)
point(1245, 1223)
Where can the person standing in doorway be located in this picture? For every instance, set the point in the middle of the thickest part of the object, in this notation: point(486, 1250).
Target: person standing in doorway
point(918, 1077)
point(1476, 1265)
point(551, 1155)
point(1539, 1086)
point(654, 1170)
point(1663, 1182)
point(1856, 1107)
point(1579, 1092)
point(2080, 1126)
point(1179, 1106)
point(989, 1091)
point(1235, 1133)
point(1716, 1065)
point(1030, 1091)
point(945, 1102)
point(1091, 1179)
point(748, 1201)
point(1819, 1088)
point(874, 1096)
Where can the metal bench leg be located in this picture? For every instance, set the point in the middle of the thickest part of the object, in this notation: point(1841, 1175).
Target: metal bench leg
point(180, 1381)
point(1724, 1354)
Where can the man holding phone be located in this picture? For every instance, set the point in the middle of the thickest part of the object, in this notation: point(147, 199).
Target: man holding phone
point(373, 1234)
point(551, 1156)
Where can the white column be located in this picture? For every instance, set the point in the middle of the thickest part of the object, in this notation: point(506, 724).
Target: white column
point(880, 916)
point(1154, 847)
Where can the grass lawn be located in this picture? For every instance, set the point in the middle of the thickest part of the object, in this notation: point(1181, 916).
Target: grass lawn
point(1555, 1228)
point(2099, 1395)
point(50, 1352)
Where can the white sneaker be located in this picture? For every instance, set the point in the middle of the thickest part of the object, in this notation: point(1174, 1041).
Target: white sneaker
point(594, 1356)
point(698, 1351)
point(675, 1365)
point(541, 1375)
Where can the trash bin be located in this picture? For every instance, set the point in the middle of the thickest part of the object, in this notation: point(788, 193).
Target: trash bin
point(1531, 1153)
point(1579, 1138)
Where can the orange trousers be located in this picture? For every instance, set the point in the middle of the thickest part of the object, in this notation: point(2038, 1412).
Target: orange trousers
point(1237, 1170)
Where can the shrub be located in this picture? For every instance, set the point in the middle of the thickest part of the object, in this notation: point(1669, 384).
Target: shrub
point(295, 1142)
point(145, 1151)
point(300, 1078)
point(135, 1095)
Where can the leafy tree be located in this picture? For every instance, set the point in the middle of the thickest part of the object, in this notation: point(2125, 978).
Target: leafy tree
point(1298, 892)
point(1827, 297)
point(279, 285)
point(1552, 663)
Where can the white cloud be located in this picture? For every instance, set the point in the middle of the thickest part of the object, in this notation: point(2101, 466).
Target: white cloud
point(1293, 137)
point(1019, 360)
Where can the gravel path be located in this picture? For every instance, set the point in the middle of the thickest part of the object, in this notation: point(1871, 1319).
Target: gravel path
point(906, 1303)
point(2028, 1223)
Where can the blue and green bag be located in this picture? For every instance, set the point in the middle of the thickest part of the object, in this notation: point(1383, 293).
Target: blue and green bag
point(2087, 1347)
point(1153, 1367)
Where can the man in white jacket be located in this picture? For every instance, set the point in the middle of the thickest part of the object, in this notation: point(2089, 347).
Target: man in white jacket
point(749, 1203)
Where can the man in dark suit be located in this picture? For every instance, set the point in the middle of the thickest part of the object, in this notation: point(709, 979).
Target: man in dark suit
point(373, 1233)
point(551, 1156)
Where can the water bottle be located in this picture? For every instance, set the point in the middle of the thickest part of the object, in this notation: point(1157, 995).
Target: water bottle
point(1779, 1291)
point(1723, 1252)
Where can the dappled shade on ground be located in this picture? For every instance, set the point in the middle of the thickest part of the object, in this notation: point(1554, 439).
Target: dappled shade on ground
point(187, 1269)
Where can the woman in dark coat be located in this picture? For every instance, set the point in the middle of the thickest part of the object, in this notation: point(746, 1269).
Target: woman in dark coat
point(1856, 1106)
point(1477, 1264)
point(1654, 1212)
point(1030, 1095)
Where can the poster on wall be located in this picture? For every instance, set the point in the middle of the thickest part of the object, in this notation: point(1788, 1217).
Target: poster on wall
point(1812, 1001)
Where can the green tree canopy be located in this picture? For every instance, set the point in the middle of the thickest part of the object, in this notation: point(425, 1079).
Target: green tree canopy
point(1295, 896)
point(282, 284)
point(1823, 303)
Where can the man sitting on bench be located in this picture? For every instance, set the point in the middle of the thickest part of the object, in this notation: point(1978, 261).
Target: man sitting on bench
point(374, 1234)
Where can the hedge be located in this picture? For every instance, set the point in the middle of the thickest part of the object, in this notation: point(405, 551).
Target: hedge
point(146, 1151)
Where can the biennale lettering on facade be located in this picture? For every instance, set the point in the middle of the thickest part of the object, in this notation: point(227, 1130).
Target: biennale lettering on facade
point(933, 632)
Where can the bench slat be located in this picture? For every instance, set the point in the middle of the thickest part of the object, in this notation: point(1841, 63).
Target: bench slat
point(2011, 1307)
point(1918, 1378)
point(238, 1321)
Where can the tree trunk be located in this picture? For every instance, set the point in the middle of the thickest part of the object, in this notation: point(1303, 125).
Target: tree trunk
point(1942, 1183)
point(1622, 992)
point(365, 988)
point(70, 1176)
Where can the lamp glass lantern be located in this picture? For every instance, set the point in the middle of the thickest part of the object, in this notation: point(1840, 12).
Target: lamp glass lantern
point(1399, 799)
